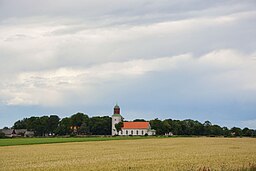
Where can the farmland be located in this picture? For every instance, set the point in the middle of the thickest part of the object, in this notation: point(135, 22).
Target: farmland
point(140, 154)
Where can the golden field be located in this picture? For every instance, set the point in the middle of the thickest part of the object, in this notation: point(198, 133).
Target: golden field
point(142, 154)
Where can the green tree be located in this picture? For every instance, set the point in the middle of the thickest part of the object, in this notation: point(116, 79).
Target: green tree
point(84, 129)
point(166, 127)
point(207, 127)
point(20, 124)
point(216, 130)
point(33, 124)
point(176, 128)
point(43, 128)
point(247, 132)
point(226, 132)
point(198, 128)
point(157, 125)
point(100, 125)
point(189, 127)
point(77, 120)
point(236, 131)
point(53, 122)
point(119, 126)
point(64, 127)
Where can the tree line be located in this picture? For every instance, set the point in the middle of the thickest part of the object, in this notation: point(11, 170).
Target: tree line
point(191, 127)
point(77, 124)
point(82, 124)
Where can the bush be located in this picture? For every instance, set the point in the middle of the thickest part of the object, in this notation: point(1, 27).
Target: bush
point(72, 135)
point(2, 135)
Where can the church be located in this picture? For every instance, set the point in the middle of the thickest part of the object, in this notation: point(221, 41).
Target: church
point(130, 128)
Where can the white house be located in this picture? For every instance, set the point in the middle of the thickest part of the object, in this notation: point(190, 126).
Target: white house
point(136, 128)
point(130, 128)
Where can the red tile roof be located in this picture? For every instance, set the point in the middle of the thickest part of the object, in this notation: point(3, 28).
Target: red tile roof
point(136, 125)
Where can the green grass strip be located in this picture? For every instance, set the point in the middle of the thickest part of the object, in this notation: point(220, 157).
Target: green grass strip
point(30, 141)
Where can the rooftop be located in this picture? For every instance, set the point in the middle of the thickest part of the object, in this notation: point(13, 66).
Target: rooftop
point(136, 125)
point(116, 107)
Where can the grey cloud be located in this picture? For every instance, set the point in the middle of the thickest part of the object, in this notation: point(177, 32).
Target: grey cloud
point(39, 38)
point(17, 37)
point(91, 9)
point(82, 45)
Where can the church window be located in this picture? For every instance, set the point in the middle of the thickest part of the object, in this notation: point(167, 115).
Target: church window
point(126, 132)
point(142, 132)
point(137, 132)
point(132, 132)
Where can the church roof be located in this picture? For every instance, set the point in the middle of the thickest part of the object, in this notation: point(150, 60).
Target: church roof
point(116, 107)
point(136, 125)
point(118, 115)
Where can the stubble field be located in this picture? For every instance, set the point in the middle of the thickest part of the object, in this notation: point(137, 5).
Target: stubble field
point(140, 154)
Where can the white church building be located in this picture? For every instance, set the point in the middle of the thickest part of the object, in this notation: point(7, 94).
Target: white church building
point(130, 128)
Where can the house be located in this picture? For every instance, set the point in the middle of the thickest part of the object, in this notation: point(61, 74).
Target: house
point(29, 134)
point(129, 128)
point(8, 132)
point(24, 133)
point(20, 132)
point(17, 133)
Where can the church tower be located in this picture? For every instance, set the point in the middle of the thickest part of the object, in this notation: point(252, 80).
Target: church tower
point(116, 118)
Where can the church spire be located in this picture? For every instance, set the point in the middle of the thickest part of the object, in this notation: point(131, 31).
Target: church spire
point(117, 109)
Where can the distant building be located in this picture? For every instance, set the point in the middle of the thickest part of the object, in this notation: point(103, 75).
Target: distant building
point(116, 118)
point(29, 134)
point(17, 133)
point(130, 128)
point(136, 128)
point(20, 132)
point(8, 132)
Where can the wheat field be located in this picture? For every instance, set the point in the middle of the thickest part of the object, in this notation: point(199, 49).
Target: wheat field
point(141, 154)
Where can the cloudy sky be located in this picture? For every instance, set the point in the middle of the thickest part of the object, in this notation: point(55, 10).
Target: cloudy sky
point(162, 59)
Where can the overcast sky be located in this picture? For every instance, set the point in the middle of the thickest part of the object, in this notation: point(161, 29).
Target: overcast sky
point(162, 59)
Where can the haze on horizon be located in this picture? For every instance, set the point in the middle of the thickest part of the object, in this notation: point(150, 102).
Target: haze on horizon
point(158, 59)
